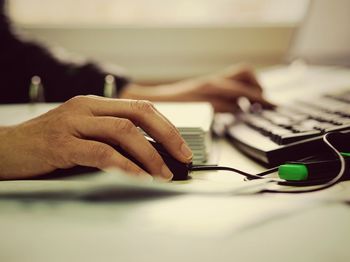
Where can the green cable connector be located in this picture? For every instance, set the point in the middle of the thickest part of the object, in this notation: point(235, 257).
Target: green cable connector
point(303, 171)
point(293, 172)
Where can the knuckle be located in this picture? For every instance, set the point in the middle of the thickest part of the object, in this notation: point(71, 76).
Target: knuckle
point(124, 125)
point(77, 100)
point(172, 134)
point(92, 96)
point(127, 166)
point(77, 103)
point(102, 153)
point(154, 157)
point(246, 66)
point(143, 106)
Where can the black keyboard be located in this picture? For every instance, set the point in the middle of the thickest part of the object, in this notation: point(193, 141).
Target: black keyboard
point(291, 132)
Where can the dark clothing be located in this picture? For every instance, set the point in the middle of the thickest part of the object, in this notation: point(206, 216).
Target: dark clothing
point(20, 60)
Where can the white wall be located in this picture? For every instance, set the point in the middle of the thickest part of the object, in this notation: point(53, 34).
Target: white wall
point(160, 54)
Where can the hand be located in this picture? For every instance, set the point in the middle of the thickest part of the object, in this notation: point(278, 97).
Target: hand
point(82, 131)
point(222, 90)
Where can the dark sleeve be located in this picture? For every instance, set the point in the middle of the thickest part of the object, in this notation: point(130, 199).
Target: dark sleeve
point(20, 60)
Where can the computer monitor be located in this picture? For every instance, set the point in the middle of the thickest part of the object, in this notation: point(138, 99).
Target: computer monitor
point(324, 35)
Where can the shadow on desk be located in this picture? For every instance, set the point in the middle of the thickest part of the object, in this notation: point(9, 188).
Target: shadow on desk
point(67, 173)
point(63, 185)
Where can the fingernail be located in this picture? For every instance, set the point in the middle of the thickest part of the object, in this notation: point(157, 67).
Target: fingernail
point(166, 173)
point(186, 151)
point(145, 177)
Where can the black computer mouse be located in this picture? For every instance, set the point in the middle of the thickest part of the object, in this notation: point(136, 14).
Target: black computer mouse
point(179, 169)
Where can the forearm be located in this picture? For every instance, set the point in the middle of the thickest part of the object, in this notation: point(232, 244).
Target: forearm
point(159, 93)
point(221, 90)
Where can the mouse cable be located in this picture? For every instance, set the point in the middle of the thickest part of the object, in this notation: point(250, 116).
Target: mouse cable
point(261, 175)
point(330, 183)
point(225, 168)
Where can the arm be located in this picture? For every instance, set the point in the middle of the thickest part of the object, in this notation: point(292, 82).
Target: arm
point(82, 131)
point(62, 79)
point(221, 89)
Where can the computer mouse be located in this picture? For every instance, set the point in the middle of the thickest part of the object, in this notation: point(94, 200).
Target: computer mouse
point(179, 169)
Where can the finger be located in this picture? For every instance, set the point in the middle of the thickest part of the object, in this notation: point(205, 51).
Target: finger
point(144, 114)
point(102, 156)
point(123, 133)
point(224, 106)
point(244, 74)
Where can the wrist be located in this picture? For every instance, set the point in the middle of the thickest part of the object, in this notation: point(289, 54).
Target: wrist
point(141, 92)
point(22, 154)
point(172, 92)
point(132, 91)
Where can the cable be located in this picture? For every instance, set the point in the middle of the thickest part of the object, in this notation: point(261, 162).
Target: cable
point(224, 168)
point(261, 175)
point(330, 183)
point(213, 167)
point(267, 172)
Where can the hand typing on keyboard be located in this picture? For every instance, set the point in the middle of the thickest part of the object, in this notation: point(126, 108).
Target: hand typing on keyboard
point(221, 89)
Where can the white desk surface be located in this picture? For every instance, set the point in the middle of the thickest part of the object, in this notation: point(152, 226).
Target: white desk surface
point(180, 227)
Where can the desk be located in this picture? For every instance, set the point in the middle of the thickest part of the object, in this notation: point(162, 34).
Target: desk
point(186, 227)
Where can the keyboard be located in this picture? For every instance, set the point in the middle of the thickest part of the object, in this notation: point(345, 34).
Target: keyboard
point(291, 132)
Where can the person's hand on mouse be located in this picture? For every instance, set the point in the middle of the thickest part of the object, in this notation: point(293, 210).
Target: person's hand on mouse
point(221, 89)
point(82, 131)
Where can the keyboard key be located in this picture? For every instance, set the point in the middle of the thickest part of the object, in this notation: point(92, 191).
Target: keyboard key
point(278, 133)
point(303, 120)
point(293, 131)
point(306, 125)
point(343, 96)
point(294, 137)
point(277, 119)
point(341, 121)
point(330, 105)
point(292, 114)
point(326, 127)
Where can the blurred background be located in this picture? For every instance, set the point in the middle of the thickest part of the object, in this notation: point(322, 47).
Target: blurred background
point(162, 40)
